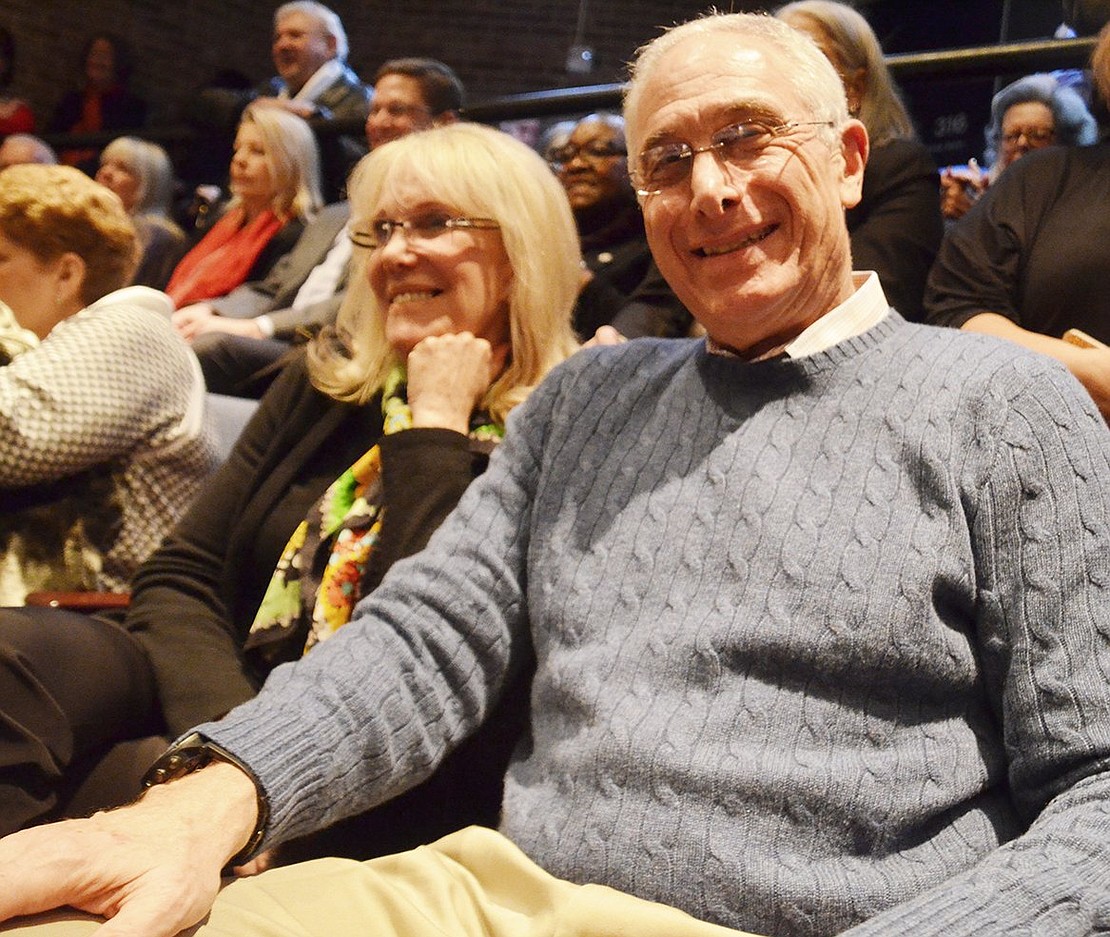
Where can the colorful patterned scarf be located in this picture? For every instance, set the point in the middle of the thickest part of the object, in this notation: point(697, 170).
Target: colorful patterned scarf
point(318, 577)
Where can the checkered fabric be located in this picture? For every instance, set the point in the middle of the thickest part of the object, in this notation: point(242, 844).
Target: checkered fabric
point(113, 384)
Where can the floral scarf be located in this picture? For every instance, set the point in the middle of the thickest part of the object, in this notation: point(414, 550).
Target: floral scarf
point(318, 578)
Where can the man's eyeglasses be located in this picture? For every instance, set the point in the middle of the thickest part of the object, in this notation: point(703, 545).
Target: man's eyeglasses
point(592, 151)
point(669, 164)
point(1038, 136)
point(421, 229)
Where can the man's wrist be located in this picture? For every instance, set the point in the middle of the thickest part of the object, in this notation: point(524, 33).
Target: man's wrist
point(194, 752)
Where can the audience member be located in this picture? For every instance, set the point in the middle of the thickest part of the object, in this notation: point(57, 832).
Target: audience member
point(1028, 262)
point(1033, 112)
point(896, 227)
point(22, 148)
point(102, 443)
point(624, 288)
point(102, 99)
point(275, 188)
point(14, 339)
point(466, 275)
point(313, 81)
point(141, 175)
point(814, 608)
point(240, 338)
point(16, 115)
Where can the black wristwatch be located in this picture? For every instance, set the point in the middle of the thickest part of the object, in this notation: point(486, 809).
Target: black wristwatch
point(193, 752)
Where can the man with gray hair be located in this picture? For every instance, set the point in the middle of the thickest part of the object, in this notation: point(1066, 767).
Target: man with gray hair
point(313, 81)
point(816, 609)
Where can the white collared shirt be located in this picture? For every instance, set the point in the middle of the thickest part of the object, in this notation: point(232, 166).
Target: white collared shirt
point(866, 307)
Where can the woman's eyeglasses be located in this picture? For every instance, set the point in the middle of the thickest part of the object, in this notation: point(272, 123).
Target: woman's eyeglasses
point(422, 229)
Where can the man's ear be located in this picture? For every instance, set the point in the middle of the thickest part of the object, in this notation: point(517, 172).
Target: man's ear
point(854, 148)
point(445, 118)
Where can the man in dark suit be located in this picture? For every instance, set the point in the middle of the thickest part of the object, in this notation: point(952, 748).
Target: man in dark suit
point(240, 336)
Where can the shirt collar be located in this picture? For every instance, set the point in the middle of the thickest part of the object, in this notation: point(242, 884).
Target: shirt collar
point(866, 307)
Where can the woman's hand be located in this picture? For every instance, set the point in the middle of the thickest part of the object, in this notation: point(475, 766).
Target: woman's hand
point(189, 320)
point(960, 189)
point(447, 377)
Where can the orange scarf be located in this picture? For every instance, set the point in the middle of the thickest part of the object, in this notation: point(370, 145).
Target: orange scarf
point(223, 258)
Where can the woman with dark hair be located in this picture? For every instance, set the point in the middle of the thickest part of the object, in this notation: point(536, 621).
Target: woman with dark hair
point(15, 115)
point(896, 228)
point(101, 100)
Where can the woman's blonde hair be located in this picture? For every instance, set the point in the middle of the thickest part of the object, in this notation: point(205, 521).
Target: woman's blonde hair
point(56, 210)
point(479, 172)
point(293, 159)
point(151, 168)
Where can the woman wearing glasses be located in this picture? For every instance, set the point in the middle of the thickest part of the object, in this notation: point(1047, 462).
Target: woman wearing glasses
point(623, 288)
point(1031, 113)
point(466, 267)
point(1028, 263)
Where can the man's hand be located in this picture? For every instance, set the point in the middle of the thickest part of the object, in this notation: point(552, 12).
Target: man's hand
point(447, 377)
point(300, 108)
point(153, 868)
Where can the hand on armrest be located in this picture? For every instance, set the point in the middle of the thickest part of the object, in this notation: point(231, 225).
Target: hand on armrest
point(153, 867)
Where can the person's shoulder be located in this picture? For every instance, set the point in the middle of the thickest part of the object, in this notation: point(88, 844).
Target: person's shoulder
point(347, 84)
point(640, 362)
point(977, 357)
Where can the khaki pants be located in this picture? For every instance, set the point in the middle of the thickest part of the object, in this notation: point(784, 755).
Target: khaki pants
point(474, 882)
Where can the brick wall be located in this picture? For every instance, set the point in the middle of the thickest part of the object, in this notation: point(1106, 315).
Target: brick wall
point(497, 47)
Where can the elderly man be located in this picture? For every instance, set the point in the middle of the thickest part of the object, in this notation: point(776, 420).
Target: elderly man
point(313, 81)
point(238, 337)
point(816, 608)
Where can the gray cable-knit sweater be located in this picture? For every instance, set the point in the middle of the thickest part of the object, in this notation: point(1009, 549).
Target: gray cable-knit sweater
point(812, 639)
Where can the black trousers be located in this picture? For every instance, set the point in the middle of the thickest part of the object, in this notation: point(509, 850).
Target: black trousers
point(71, 687)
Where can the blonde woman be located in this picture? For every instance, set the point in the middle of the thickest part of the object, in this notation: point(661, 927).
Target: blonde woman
point(466, 268)
point(275, 188)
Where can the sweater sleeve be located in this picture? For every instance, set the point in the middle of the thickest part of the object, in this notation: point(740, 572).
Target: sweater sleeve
point(373, 710)
point(98, 385)
point(1043, 571)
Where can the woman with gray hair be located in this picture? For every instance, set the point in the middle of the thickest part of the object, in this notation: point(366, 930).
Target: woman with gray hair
point(1028, 114)
point(141, 175)
point(896, 228)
